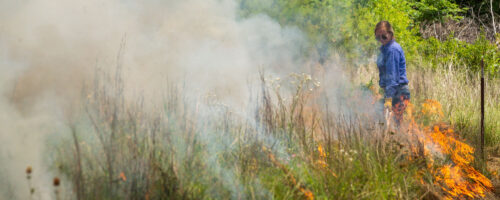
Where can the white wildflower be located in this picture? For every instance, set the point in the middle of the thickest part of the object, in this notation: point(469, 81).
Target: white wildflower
point(308, 77)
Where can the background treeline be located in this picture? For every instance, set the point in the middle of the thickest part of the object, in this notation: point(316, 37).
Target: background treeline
point(443, 33)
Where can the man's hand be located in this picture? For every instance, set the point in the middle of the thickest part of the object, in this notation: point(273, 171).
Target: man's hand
point(388, 103)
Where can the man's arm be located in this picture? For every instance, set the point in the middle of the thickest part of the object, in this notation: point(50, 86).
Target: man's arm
point(392, 72)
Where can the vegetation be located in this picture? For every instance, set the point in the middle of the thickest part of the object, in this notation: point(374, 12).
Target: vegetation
point(295, 146)
point(346, 27)
point(295, 141)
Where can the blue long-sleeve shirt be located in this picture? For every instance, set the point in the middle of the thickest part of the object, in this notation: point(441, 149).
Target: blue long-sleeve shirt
point(391, 64)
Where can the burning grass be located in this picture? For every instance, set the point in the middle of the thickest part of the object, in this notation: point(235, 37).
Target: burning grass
point(295, 145)
point(448, 158)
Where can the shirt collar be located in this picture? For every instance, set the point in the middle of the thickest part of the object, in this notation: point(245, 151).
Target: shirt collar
point(387, 45)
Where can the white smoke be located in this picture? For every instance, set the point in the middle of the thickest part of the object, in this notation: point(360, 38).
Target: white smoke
point(49, 49)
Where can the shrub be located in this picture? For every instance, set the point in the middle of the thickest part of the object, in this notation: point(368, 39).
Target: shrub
point(453, 52)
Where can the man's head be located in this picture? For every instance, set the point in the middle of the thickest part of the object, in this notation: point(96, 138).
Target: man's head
point(384, 32)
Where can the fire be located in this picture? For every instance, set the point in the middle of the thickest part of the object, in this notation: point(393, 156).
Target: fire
point(430, 107)
point(453, 174)
point(123, 177)
point(291, 178)
point(458, 179)
point(321, 162)
point(321, 151)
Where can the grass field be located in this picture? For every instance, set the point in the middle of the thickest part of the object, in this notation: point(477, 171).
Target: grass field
point(244, 99)
point(294, 140)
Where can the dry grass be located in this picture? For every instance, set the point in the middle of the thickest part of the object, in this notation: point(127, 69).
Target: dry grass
point(459, 94)
point(292, 143)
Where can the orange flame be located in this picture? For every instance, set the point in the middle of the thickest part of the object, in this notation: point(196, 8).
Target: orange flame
point(321, 151)
point(322, 160)
point(123, 177)
point(430, 107)
point(460, 179)
point(456, 178)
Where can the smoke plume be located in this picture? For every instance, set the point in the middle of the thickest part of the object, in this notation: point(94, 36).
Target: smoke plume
point(50, 49)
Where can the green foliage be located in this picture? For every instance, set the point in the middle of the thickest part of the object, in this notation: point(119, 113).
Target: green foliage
point(367, 16)
point(322, 21)
point(341, 26)
point(480, 7)
point(436, 10)
point(460, 53)
point(346, 27)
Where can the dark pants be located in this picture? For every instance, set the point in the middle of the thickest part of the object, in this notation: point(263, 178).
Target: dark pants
point(399, 102)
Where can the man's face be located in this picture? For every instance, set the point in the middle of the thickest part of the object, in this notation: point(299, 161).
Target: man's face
point(383, 36)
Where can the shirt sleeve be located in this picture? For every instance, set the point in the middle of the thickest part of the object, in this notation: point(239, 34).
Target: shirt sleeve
point(391, 74)
point(402, 69)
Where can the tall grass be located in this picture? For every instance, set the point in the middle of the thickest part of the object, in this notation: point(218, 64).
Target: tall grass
point(458, 91)
point(290, 143)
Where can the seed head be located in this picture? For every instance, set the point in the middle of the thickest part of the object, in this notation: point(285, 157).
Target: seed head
point(56, 181)
point(29, 170)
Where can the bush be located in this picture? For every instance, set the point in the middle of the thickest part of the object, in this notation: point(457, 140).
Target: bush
point(435, 10)
point(460, 54)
